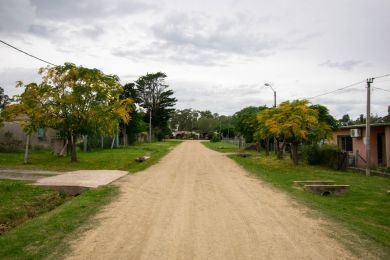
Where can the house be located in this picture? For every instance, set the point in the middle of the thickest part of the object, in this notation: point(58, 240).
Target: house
point(352, 140)
point(185, 135)
point(13, 138)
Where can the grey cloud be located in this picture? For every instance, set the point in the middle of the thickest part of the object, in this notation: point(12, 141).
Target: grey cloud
point(214, 97)
point(16, 16)
point(202, 32)
point(87, 9)
point(343, 65)
point(43, 30)
point(62, 31)
point(9, 76)
point(199, 39)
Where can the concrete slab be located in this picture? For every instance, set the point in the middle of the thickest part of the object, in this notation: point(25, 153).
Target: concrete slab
point(25, 175)
point(82, 178)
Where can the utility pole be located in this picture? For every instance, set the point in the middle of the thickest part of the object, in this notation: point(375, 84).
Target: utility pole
point(368, 128)
point(150, 125)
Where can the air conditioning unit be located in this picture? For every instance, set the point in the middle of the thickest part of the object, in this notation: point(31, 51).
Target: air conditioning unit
point(355, 133)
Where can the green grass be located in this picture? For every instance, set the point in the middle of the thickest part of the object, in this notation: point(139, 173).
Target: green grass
point(119, 158)
point(364, 212)
point(222, 147)
point(20, 202)
point(44, 236)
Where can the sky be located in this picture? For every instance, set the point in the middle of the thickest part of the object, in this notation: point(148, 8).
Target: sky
point(218, 54)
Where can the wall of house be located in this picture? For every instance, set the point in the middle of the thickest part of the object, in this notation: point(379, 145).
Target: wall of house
point(358, 145)
point(338, 133)
point(13, 131)
point(387, 133)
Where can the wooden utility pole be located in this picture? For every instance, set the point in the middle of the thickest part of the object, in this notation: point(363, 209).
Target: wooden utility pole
point(368, 130)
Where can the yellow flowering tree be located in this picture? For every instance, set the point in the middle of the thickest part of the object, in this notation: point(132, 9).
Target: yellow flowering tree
point(75, 101)
point(291, 122)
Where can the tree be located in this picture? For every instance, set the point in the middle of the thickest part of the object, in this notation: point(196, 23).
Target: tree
point(245, 121)
point(263, 127)
point(345, 120)
point(4, 100)
point(386, 118)
point(137, 124)
point(326, 124)
point(184, 119)
point(155, 97)
point(30, 106)
point(75, 101)
point(292, 122)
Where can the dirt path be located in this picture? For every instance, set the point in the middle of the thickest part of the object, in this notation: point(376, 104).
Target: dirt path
point(198, 204)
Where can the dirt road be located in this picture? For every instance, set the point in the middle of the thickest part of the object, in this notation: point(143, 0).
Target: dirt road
point(198, 204)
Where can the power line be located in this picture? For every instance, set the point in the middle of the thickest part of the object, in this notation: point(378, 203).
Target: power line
point(336, 90)
point(35, 57)
point(382, 89)
point(386, 75)
point(354, 84)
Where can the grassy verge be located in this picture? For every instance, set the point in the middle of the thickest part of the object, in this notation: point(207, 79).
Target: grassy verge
point(44, 236)
point(222, 147)
point(365, 210)
point(119, 158)
point(20, 202)
point(48, 235)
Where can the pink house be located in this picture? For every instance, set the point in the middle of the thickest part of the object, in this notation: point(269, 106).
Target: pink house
point(351, 139)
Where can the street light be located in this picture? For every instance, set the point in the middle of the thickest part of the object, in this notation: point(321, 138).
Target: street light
point(269, 85)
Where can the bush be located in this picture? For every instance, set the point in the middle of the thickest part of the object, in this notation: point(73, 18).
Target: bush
point(327, 155)
point(311, 154)
point(215, 139)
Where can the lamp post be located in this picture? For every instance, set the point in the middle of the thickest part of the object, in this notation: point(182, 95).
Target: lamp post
point(269, 85)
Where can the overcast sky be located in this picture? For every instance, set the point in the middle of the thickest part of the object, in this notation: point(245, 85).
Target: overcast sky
point(217, 53)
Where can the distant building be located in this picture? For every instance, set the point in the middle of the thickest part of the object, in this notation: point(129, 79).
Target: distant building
point(185, 135)
point(352, 140)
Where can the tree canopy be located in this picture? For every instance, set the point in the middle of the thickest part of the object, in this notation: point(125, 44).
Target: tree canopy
point(293, 122)
point(4, 100)
point(245, 121)
point(75, 101)
point(154, 95)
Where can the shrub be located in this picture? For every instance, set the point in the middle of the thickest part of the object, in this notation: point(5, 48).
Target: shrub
point(215, 138)
point(327, 155)
point(311, 154)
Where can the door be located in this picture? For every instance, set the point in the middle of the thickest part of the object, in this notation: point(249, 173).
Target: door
point(381, 141)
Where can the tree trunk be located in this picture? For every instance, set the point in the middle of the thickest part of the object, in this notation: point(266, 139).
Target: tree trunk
point(124, 134)
point(294, 152)
point(69, 146)
point(102, 142)
point(73, 154)
point(63, 148)
point(279, 154)
point(267, 146)
point(85, 143)
point(113, 141)
point(26, 151)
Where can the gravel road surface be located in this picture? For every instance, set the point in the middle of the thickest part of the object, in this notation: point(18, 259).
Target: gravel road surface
point(198, 204)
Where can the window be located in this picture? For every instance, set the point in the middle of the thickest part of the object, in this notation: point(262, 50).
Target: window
point(41, 133)
point(344, 142)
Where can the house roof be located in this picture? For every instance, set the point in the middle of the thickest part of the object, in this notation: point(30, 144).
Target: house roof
point(364, 125)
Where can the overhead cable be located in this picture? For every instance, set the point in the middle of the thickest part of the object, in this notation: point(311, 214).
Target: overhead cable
point(35, 57)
